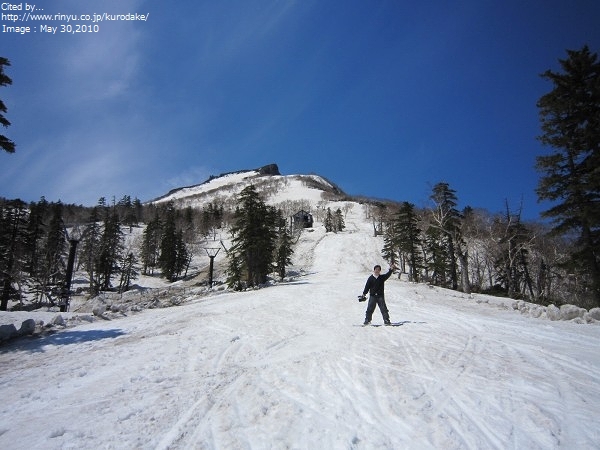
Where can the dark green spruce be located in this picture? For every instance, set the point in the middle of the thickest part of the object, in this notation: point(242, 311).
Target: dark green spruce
point(570, 122)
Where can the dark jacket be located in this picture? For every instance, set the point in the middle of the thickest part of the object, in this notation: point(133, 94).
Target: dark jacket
point(375, 286)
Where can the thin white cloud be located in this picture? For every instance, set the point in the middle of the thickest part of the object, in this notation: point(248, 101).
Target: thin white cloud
point(74, 171)
point(103, 65)
point(101, 174)
point(192, 176)
point(243, 29)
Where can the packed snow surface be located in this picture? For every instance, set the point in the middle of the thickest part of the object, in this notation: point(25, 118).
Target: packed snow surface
point(290, 366)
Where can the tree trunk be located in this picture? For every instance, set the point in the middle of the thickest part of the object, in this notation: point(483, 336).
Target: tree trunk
point(463, 259)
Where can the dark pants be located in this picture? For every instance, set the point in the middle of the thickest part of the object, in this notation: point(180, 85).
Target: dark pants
point(378, 300)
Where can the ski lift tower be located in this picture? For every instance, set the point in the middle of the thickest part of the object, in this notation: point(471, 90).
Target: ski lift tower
point(74, 237)
point(211, 252)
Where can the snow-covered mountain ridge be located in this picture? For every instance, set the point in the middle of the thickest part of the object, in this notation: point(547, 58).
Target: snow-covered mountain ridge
point(267, 180)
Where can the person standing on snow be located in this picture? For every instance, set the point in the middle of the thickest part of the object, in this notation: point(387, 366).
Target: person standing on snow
point(375, 287)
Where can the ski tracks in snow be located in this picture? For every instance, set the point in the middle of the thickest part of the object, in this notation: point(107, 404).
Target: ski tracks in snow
point(528, 374)
point(437, 397)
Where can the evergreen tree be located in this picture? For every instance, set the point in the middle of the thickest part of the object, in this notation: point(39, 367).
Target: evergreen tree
point(435, 256)
point(188, 217)
point(446, 218)
point(254, 238)
point(168, 246)
point(35, 235)
point(390, 244)
point(174, 257)
point(235, 268)
point(211, 217)
point(128, 272)
point(338, 221)
point(111, 248)
point(284, 246)
point(328, 222)
point(183, 256)
point(56, 245)
point(127, 212)
point(138, 210)
point(102, 205)
point(90, 249)
point(570, 121)
point(13, 228)
point(150, 250)
point(408, 240)
point(6, 144)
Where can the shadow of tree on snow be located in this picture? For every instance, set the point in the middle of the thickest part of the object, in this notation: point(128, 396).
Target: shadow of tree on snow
point(68, 337)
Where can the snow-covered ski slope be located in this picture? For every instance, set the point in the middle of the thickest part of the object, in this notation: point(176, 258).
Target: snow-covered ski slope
point(289, 367)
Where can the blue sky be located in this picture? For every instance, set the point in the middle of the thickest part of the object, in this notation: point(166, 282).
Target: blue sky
point(384, 98)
